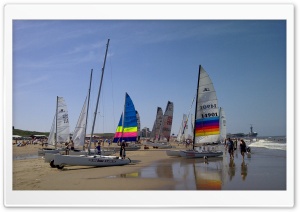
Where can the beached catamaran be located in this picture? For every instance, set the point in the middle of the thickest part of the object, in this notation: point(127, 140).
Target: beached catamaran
point(207, 120)
point(161, 131)
point(79, 133)
point(127, 129)
point(60, 129)
point(90, 160)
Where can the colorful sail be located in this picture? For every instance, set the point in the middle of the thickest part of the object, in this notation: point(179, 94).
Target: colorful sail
point(127, 129)
point(207, 123)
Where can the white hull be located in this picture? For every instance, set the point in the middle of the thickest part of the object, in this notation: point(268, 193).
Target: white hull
point(81, 160)
point(159, 145)
point(49, 156)
point(42, 152)
point(200, 154)
point(173, 153)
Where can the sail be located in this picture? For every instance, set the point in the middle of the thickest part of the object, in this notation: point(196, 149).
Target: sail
point(223, 129)
point(166, 126)
point(51, 137)
point(118, 133)
point(80, 129)
point(62, 120)
point(157, 124)
point(182, 132)
point(127, 128)
point(207, 111)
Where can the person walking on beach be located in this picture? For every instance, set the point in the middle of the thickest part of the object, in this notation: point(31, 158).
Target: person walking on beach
point(243, 148)
point(230, 148)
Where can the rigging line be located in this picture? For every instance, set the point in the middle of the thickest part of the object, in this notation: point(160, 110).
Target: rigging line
point(112, 91)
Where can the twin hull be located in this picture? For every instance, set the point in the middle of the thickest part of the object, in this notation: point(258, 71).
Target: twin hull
point(200, 154)
point(82, 160)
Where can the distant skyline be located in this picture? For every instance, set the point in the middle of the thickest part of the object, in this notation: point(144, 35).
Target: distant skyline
point(154, 61)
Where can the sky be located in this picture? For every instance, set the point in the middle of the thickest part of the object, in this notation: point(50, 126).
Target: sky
point(154, 61)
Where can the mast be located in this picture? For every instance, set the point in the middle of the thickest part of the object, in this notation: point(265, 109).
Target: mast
point(123, 117)
point(55, 142)
point(87, 111)
point(196, 108)
point(95, 115)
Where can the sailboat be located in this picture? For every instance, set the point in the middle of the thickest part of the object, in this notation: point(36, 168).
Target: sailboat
point(207, 120)
point(79, 134)
point(181, 136)
point(91, 160)
point(127, 129)
point(60, 129)
point(162, 128)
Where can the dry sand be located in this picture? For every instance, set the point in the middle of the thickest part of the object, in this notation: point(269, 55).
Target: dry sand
point(35, 174)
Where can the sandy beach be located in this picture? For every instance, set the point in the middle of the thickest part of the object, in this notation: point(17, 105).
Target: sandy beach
point(152, 169)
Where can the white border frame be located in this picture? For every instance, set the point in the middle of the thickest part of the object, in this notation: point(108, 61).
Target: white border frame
point(154, 12)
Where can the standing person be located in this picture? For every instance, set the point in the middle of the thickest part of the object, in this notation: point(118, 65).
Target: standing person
point(98, 147)
point(243, 148)
point(72, 145)
point(230, 146)
point(235, 144)
point(122, 150)
point(67, 148)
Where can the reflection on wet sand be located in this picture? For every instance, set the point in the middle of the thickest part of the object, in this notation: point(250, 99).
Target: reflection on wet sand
point(189, 174)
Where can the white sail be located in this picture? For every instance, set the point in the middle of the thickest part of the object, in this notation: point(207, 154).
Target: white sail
point(166, 126)
point(80, 129)
point(223, 128)
point(207, 111)
point(51, 138)
point(62, 120)
point(181, 135)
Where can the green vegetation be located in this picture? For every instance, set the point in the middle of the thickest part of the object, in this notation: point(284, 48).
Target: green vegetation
point(25, 133)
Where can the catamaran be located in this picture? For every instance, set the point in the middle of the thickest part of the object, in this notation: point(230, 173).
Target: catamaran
point(161, 131)
point(60, 129)
point(127, 129)
point(91, 160)
point(207, 120)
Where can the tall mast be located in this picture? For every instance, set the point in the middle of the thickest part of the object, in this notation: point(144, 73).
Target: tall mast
point(88, 105)
point(55, 142)
point(123, 117)
point(196, 108)
point(95, 115)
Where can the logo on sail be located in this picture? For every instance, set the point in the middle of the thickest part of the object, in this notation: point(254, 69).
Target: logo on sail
point(205, 89)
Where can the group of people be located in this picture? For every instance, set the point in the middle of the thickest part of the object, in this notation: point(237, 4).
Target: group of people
point(232, 146)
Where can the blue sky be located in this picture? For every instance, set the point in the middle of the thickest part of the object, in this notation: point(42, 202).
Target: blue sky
point(154, 62)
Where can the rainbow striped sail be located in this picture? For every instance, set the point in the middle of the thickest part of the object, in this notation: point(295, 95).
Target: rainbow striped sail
point(207, 123)
point(127, 129)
